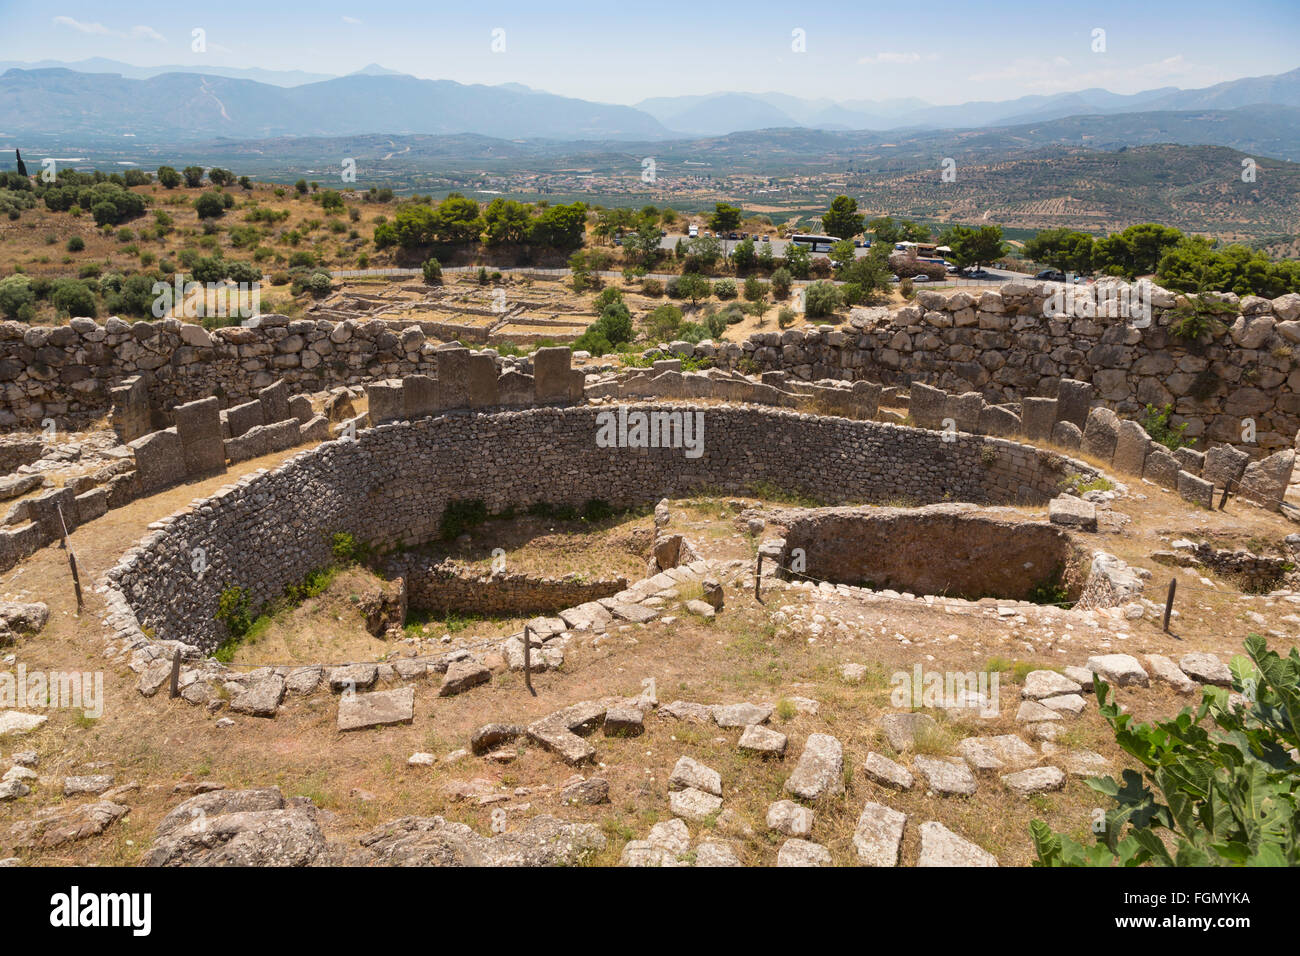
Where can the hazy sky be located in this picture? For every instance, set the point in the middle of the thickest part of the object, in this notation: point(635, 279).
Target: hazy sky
point(622, 52)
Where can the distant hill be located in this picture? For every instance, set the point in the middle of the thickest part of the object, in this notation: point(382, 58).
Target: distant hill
point(709, 116)
point(190, 106)
point(101, 65)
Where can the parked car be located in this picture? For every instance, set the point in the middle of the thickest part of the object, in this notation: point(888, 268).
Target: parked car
point(1051, 275)
point(767, 239)
point(921, 277)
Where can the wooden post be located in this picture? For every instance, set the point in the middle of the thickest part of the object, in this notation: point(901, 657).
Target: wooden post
point(72, 558)
point(1169, 602)
point(176, 675)
point(1224, 500)
point(528, 660)
point(758, 577)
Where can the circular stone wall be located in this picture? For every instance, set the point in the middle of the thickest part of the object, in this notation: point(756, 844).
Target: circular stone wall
point(390, 485)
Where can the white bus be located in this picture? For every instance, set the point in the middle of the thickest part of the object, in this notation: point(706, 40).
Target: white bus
point(814, 243)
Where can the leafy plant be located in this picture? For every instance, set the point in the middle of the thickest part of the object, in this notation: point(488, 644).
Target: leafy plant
point(459, 516)
point(1156, 424)
point(1224, 795)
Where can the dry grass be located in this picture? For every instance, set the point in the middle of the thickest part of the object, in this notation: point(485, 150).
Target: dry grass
point(363, 778)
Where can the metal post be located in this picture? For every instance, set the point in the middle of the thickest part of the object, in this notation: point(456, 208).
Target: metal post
point(1224, 500)
point(758, 577)
point(1169, 602)
point(176, 675)
point(72, 558)
point(528, 660)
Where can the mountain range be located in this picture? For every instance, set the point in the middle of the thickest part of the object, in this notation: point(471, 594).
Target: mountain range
point(194, 104)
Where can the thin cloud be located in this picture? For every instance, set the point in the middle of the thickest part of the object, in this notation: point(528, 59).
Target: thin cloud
point(897, 57)
point(351, 20)
point(139, 32)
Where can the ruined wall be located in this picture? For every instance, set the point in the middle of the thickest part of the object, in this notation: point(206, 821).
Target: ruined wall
point(951, 550)
point(67, 372)
point(444, 586)
point(391, 485)
point(1001, 344)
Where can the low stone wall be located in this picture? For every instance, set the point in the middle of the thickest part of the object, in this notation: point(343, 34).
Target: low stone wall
point(954, 550)
point(391, 485)
point(448, 586)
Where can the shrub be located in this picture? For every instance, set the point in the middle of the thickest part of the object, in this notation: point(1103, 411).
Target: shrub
point(76, 244)
point(459, 516)
point(16, 296)
point(1218, 795)
point(652, 287)
point(209, 205)
point(1156, 424)
point(233, 611)
point(785, 317)
point(663, 323)
point(781, 280)
point(72, 297)
point(725, 289)
point(432, 270)
point(821, 298)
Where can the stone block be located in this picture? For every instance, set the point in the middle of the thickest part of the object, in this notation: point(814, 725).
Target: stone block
point(198, 424)
point(158, 460)
point(385, 400)
point(1131, 446)
point(419, 396)
point(1265, 481)
point(314, 430)
point(1073, 400)
point(998, 420)
point(1190, 460)
point(301, 409)
point(1196, 490)
point(1067, 435)
point(481, 380)
point(926, 406)
point(515, 389)
point(1162, 468)
point(1037, 416)
point(453, 377)
point(243, 417)
point(275, 402)
point(1101, 433)
point(1225, 466)
point(551, 374)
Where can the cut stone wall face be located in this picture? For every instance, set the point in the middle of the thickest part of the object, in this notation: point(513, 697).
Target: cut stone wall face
point(386, 400)
point(552, 381)
point(419, 396)
point(1037, 416)
point(453, 378)
point(275, 402)
point(243, 417)
point(158, 460)
point(198, 424)
point(1073, 400)
point(131, 415)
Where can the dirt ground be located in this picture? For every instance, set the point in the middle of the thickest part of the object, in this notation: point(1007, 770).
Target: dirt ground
point(751, 652)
